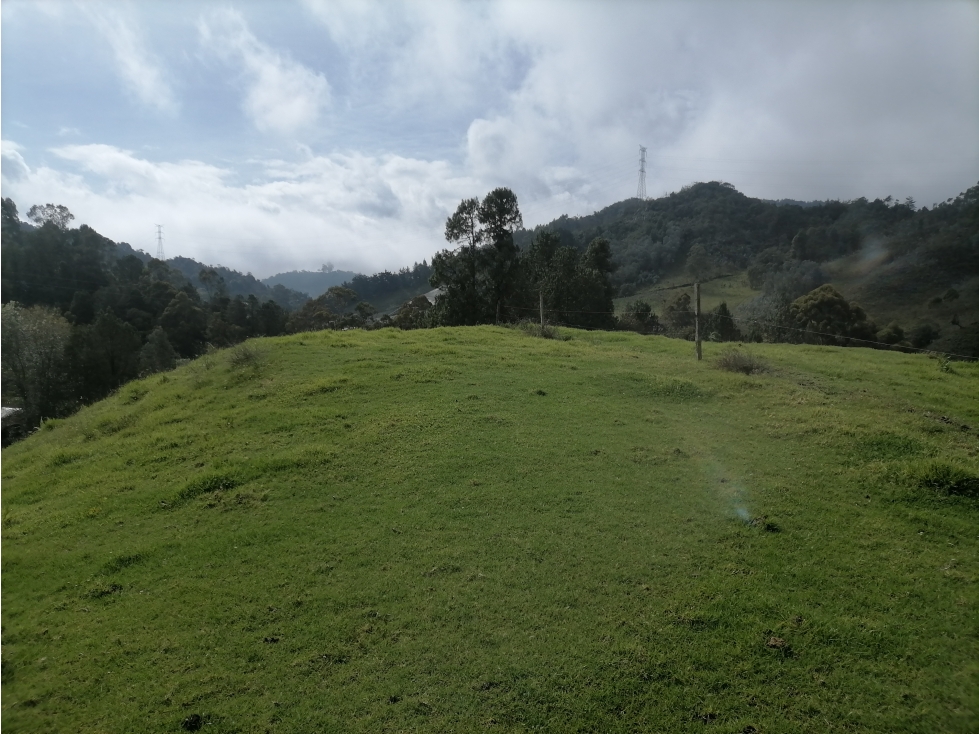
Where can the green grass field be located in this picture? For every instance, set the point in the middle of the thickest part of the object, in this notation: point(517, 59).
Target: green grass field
point(473, 529)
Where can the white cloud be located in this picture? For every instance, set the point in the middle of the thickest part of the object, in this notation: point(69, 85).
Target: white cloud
point(805, 101)
point(283, 95)
point(14, 168)
point(360, 212)
point(799, 100)
point(442, 57)
point(141, 73)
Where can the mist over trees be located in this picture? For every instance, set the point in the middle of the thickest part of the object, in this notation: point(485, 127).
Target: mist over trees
point(385, 286)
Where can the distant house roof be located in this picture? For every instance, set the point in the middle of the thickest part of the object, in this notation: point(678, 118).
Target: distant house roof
point(10, 415)
point(432, 295)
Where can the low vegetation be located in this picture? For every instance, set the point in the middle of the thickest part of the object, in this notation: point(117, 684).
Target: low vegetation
point(471, 529)
point(735, 360)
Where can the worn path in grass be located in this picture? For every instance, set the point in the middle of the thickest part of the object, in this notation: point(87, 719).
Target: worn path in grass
point(456, 529)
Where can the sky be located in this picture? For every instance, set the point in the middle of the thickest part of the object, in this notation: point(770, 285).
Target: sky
point(272, 136)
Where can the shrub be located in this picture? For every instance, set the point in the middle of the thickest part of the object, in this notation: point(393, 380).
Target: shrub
point(734, 360)
point(892, 334)
point(639, 316)
point(923, 334)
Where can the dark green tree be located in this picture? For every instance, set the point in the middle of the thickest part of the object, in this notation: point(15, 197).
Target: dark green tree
point(480, 279)
point(271, 319)
point(698, 262)
point(185, 324)
point(157, 355)
point(464, 230)
point(719, 324)
point(9, 219)
point(34, 364)
point(891, 334)
point(213, 283)
point(56, 214)
point(824, 316)
point(104, 355)
point(315, 315)
point(499, 214)
point(678, 317)
point(340, 299)
point(414, 313)
point(638, 316)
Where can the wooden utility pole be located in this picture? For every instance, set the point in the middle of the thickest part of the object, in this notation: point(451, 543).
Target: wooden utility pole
point(542, 309)
point(696, 319)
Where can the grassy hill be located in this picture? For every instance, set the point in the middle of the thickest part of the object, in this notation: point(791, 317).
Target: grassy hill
point(472, 529)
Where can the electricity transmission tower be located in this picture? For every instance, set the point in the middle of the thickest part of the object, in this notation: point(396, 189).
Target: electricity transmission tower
point(641, 192)
point(159, 242)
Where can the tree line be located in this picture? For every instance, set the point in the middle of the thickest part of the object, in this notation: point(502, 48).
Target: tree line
point(486, 278)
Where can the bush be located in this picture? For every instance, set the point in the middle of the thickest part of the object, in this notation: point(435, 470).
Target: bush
point(923, 335)
point(893, 334)
point(639, 316)
point(415, 313)
point(737, 361)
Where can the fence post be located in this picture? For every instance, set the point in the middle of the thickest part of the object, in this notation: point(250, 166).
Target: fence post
point(696, 317)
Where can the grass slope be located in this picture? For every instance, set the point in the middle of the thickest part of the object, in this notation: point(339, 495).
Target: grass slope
point(732, 290)
point(452, 529)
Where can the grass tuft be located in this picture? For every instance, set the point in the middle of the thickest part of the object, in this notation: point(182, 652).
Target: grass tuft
point(102, 590)
point(63, 458)
point(734, 360)
point(120, 562)
point(533, 328)
point(243, 356)
point(943, 478)
point(208, 483)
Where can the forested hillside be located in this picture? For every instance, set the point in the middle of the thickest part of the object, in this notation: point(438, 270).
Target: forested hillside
point(83, 315)
point(204, 277)
point(312, 283)
point(387, 290)
point(917, 269)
